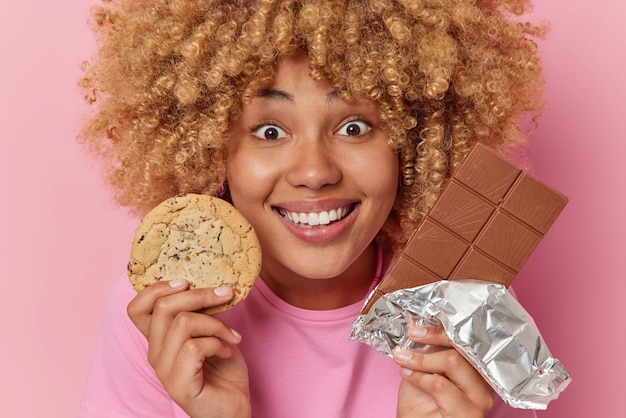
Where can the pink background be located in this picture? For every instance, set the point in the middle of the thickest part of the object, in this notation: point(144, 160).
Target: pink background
point(62, 241)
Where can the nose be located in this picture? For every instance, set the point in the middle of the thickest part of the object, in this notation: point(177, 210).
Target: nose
point(314, 164)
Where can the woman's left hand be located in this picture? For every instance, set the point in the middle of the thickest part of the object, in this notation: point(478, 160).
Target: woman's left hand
point(439, 383)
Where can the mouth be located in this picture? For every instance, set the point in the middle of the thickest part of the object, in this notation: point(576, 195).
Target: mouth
point(316, 219)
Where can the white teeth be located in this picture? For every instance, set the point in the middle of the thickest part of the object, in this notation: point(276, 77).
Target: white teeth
point(315, 218)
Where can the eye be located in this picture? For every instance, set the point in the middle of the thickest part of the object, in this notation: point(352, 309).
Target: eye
point(269, 132)
point(354, 128)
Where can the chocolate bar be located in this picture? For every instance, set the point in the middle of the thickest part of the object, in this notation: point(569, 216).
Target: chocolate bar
point(485, 224)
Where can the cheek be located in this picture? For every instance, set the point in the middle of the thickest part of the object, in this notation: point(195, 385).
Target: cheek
point(249, 179)
point(380, 174)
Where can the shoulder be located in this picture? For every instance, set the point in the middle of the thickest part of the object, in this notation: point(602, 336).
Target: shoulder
point(121, 382)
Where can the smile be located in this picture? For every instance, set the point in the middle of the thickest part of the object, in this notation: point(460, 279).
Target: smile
point(309, 219)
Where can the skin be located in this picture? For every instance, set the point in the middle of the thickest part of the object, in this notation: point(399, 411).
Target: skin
point(298, 148)
point(317, 162)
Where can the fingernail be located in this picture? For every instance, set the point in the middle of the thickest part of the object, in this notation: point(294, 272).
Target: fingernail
point(417, 331)
point(178, 283)
point(223, 291)
point(236, 334)
point(405, 371)
point(403, 355)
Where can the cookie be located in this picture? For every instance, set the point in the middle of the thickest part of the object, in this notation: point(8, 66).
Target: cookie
point(199, 238)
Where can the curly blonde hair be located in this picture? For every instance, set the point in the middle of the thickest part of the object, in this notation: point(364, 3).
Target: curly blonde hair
point(170, 76)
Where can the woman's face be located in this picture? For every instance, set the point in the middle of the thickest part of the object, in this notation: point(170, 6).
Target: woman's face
point(312, 173)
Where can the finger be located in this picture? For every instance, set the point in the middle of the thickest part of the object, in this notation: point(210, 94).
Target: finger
point(449, 399)
point(449, 362)
point(428, 335)
point(184, 371)
point(450, 365)
point(168, 307)
point(192, 300)
point(191, 325)
point(140, 308)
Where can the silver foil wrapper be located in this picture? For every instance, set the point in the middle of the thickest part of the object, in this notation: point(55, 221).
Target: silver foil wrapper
point(485, 323)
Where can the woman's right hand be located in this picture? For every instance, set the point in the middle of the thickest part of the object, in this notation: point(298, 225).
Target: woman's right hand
point(193, 354)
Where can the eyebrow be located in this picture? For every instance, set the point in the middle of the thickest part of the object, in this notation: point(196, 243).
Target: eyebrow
point(275, 94)
point(283, 95)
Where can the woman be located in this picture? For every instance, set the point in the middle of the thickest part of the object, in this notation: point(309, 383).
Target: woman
point(332, 127)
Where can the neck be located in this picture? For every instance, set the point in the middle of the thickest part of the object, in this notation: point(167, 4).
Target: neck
point(348, 288)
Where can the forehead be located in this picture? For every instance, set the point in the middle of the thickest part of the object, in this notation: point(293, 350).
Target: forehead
point(292, 82)
point(295, 71)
